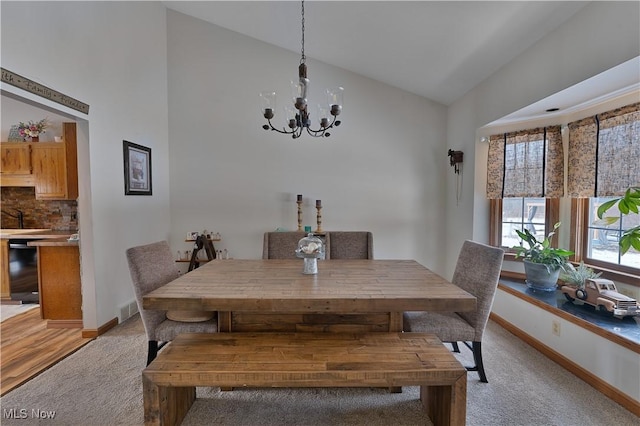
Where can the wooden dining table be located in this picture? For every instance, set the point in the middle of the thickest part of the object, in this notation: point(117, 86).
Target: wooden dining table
point(344, 296)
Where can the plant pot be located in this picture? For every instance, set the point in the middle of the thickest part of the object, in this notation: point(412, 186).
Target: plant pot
point(539, 278)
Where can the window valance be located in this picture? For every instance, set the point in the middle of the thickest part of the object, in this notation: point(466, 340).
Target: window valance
point(526, 163)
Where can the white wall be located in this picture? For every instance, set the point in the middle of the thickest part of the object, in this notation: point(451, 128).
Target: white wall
point(380, 171)
point(112, 56)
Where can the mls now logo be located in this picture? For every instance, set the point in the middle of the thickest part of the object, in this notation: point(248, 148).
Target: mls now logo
point(42, 414)
point(23, 413)
point(14, 413)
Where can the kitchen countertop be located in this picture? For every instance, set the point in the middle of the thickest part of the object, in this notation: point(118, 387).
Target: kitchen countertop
point(53, 242)
point(33, 234)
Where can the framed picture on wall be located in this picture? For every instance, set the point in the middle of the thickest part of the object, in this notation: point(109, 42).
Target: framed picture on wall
point(137, 169)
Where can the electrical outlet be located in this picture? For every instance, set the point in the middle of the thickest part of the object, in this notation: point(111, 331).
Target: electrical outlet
point(555, 327)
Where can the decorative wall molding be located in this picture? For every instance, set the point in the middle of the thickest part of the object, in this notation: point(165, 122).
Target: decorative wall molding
point(24, 83)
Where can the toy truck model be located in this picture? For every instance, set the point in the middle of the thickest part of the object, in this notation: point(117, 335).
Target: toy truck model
point(602, 294)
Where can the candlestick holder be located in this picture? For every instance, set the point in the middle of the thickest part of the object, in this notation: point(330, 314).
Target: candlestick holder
point(299, 202)
point(319, 219)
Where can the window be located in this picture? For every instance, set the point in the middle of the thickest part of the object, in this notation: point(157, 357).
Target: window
point(601, 242)
point(538, 215)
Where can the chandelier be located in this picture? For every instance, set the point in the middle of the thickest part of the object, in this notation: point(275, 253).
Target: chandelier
point(298, 117)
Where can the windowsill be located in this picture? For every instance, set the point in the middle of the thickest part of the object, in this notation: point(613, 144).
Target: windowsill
point(625, 331)
point(629, 279)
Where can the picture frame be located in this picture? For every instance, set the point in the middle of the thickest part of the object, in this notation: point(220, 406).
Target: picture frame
point(192, 235)
point(137, 169)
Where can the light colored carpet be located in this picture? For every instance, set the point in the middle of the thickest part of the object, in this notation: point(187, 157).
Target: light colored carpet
point(100, 385)
point(8, 311)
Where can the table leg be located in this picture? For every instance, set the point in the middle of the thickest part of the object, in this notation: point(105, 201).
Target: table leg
point(164, 405)
point(224, 321)
point(395, 325)
point(395, 322)
point(446, 405)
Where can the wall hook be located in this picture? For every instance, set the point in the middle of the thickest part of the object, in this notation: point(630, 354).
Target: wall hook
point(455, 158)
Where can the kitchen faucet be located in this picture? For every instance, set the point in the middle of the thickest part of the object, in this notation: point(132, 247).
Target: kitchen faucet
point(19, 216)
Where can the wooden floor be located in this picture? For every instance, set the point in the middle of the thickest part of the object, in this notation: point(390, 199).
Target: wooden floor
point(27, 347)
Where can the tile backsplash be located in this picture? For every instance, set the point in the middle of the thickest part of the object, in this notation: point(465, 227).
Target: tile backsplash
point(59, 215)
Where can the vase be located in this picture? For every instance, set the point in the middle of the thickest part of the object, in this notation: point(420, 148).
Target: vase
point(35, 138)
point(539, 278)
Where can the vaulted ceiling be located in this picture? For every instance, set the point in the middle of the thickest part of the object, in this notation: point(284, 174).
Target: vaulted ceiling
point(436, 49)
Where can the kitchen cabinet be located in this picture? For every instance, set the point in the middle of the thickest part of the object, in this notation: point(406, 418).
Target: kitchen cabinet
point(15, 159)
point(59, 282)
point(24, 234)
point(51, 167)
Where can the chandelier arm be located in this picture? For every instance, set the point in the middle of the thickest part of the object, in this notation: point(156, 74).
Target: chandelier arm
point(283, 131)
point(330, 126)
point(316, 133)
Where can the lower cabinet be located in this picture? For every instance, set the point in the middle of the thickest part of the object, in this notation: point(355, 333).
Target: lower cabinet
point(59, 285)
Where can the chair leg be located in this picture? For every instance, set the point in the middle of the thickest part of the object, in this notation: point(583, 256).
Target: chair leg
point(153, 351)
point(477, 357)
point(455, 346)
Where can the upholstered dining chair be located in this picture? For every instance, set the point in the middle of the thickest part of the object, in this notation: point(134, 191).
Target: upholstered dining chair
point(281, 245)
point(477, 272)
point(152, 266)
point(351, 245)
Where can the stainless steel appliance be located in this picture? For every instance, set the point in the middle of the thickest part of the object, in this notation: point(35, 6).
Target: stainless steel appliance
point(23, 271)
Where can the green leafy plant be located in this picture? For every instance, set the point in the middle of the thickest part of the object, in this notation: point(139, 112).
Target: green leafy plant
point(541, 251)
point(628, 204)
point(578, 275)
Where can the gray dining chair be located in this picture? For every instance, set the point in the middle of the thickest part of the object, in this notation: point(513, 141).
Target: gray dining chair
point(351, 245)
point(477, 272)
point(281, 245)
point(151, 266)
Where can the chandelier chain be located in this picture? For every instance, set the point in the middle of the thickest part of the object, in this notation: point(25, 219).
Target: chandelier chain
point(303, 58)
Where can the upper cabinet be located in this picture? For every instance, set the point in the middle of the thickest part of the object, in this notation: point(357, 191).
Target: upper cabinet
point(52, 167)
point(16, 158)
point(16, 164)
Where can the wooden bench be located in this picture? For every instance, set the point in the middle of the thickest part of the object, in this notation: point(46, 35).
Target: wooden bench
point(271, 359)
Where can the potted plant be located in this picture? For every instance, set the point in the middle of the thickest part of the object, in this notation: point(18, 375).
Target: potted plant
point(575, 276)
point(542, 263)
point(574, 280)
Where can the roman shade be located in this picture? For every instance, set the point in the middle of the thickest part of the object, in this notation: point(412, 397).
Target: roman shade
point(604, 153)
point(526, 163)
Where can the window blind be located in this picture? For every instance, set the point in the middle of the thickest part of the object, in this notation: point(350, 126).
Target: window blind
point(604, 153)
point(526, 163)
